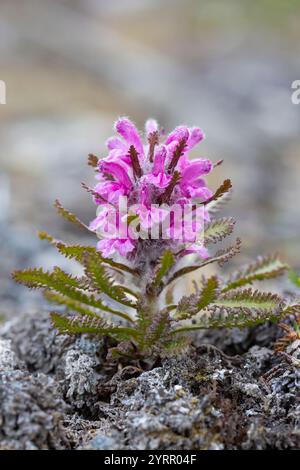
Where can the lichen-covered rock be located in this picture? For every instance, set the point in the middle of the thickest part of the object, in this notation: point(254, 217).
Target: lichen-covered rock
point(210, 401)
point(80, 373)
point(31, 408)
point(239, 341)
point(36, 342)
point(8, 358)
point(74, 362)
point(206, 399)
point(31, 412)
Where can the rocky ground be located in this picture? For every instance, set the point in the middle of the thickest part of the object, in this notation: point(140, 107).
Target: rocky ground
point(230, 392)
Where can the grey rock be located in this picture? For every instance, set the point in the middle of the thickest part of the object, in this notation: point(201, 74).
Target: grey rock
point(72, 361)
point(208, 402)
point(78, 373)
point(101, 442)
point(204, 400)
point(8, 358)
point(31, 412)
point(36, 342)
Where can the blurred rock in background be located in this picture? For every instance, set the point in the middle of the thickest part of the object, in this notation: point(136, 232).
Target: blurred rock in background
point(71, 67)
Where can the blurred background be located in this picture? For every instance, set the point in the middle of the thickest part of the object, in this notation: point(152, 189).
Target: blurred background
point(71, 67)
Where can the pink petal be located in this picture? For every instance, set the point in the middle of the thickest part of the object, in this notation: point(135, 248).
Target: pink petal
point(196, 135)
point(118, 155)
point(110, 246)
point(110, 191)
point(158, 177)
point(161, 180)
point(124, 246)
point(117, 171)
point(183, 163)
point(179, 133)
point(130, 133)
point(106, 247)
point(96, 223)
point(114, 143)
point(197, 168)
point(198, 249)
point(159, 160)
point(144, 196)
point(151, 126)
point(203, 193)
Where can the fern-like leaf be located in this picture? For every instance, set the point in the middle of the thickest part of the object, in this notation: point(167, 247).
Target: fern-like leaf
point(58, 279)
point(215, 206)
point(220, 192)
point(166, 263)
point(249, 298)
point(239, 309)
point(69, 215)
point(67, 286)
point(78, 253)
point(218, 229)
point(102, 282)
point(266, 267)
point(221, 257)
point(86, 324)
point(174, 346)
point(208, 293)
point(71, 304)
point(158, 330)
point(189, 306)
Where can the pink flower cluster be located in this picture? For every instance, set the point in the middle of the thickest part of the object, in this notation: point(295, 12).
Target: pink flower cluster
point(150, 177)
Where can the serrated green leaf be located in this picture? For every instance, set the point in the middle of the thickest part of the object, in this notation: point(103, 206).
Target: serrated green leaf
point(239, 310)
point(91, 325)
point(70, 304)
point(158, 329)
point(66, 214)
point(190, 306)
point(208, 293)
point(292, 309)
point(175, 346)
point(78, 252)
point(166, 263)
point(102, 282)
point(64, 284)
point(221, 257)
point(58, 279)
point(249, 299)
point(218, 229)
point(266, 267)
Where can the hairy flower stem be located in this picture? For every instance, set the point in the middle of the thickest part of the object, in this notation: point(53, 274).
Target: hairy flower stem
point(146, 312)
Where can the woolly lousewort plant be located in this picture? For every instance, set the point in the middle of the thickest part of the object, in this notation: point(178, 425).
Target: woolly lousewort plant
point(156, 220)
